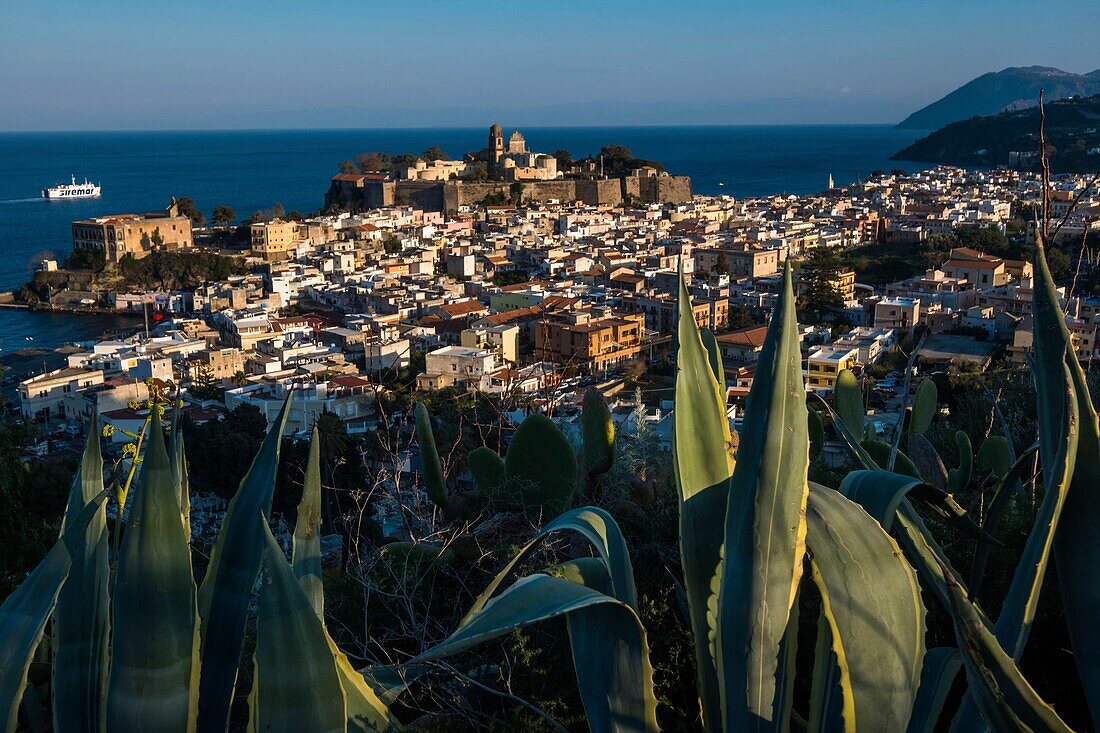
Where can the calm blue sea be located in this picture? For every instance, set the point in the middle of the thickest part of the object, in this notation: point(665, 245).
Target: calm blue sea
point(252, 170)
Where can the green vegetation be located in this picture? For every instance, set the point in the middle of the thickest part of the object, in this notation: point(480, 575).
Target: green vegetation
point(818, 275)
point(177, 270)
point(186, 207)
point(619, 161)
point(802, 604)
point(880, 263)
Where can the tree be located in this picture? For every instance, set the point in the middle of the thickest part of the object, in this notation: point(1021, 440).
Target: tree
point(347, 166)
point(185, 206)
point(203, 386)
point(157, 238)
point(721, 266)
point(373, 162)
point(294, 216)
point(818, 278)
point(403, 161)
point(565, 160)
point(223, 215)
point(615, 152)
point(391, 243)
point(239, 378)
point(434, 153)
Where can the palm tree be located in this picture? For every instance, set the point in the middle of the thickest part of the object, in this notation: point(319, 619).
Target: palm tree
point(239, 378)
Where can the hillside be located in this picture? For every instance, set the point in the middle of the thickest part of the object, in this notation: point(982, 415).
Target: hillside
point(1073, 129)
point(1010, 89)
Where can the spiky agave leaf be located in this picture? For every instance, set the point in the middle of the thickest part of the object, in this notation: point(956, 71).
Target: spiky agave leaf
point(429, 457)
point(871, 602)
point(1008, 486)
point(617, 647)
point(296, 683)
point(701, 458)
point(765, 536)
point(1006, 700)
point(24, 613)
point(230, 577)
point(81, 620)
point(941, 667)
point(1077, 543)
point(365, 712)
point(714, 358)
point(154, 668)
point(306, 554)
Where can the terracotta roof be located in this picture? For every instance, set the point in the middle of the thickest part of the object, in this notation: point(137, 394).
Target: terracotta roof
point(750, 336)
point(349, 177)
point(464, 308)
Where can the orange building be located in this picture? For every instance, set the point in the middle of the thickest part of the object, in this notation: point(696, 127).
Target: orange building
point(589, 340)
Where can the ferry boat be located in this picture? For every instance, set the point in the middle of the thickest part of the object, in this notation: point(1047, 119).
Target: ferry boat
point(72, 190)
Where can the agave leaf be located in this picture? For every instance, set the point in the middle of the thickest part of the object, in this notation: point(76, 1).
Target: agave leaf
point(542, 464)
point(81, 620)
point(880, 452)
point(765, 538)
point(24, 614)
point(601, 530)
point(871, 601)
point(848, 396)
point(883, 495)
point(701, 459)
point(1008, 486)
point(306, 552)
point(1018, 610)
point(940, 502)
point(598, 679)
point(714, 358)
point(598, 431)
point(365, 712)
point(816, 427)
point(924, 408)
point(155, 639)
point(178, 454)
point(297, 687)
point(230, 577)
point(826, 697)
point(941, 666)
point(615, 661)
point(788, 656)
point(1077, 543)
point(1006, 700)
point(429, 457)
point(702, 431)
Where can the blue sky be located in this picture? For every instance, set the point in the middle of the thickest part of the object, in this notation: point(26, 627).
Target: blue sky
point(155, 65)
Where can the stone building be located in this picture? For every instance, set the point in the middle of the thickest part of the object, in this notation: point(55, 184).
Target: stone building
point(137, 235)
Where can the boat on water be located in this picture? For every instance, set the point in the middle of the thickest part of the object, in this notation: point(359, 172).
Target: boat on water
point(72, 190)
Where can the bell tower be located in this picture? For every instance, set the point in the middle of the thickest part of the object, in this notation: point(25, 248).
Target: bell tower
point(496, 145)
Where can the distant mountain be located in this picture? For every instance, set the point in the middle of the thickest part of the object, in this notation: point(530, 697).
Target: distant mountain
point(1011, 89)
point(1012, 138)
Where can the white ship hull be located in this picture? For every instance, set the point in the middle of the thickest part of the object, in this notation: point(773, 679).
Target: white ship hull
point(73, 190)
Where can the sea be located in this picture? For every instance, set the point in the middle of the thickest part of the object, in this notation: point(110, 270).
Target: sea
point(251, 170)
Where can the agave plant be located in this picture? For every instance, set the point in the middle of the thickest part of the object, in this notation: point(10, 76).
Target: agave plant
point(1067, 528)
point(749, 527)
point(130, 655)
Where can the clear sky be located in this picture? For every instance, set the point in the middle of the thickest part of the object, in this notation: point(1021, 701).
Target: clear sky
point(147, 64)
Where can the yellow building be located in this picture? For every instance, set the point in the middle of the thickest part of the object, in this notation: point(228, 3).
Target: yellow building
point(825, 365)
point(278, 240)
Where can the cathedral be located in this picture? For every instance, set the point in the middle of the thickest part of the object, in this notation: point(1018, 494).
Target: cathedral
point(515, 162)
